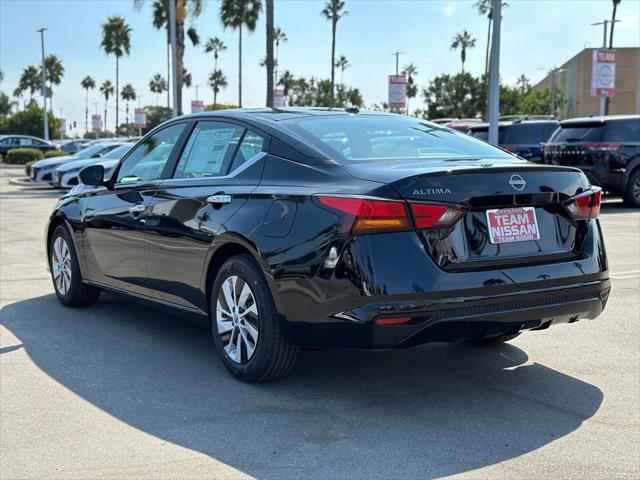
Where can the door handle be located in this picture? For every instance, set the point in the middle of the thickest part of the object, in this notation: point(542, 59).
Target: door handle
point(219, 199)
point(139, 208)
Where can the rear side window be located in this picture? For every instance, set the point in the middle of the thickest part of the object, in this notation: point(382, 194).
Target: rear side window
point(355, 138)
point(623, 130)
point(209, 150)
point(252, 144)
point(526, 133)
point(579, 133)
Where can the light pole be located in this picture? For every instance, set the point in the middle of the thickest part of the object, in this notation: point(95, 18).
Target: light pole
point(174, 58)
point(397, 55)
point(44, 86)
point(494, 72)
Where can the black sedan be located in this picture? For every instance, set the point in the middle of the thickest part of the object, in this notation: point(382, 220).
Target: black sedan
point(314, 227)
point(8, 142)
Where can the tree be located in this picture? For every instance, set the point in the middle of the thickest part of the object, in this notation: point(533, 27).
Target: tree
point(157, 85)
point(412, 87)
point(333, 11)
point(217, 81)
point(128, 93)
point(270, 58)
point(317, 93)
point(87, 84)
point(186, 78)
point(216, 46)
point(54, 71)
point(29, 122)
point(457, 96)
point(107, 90)
point(523, 84)
point(278, 37)
point(286, 80)
point(5, 104)
point(538, 102)
point(342, 63)
point(239, 14)
point(116, 39)
point(463, 41)
point(30, 80)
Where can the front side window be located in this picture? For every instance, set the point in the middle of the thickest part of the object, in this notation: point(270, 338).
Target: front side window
point(147, 161)
point(209, 150)
point(354, 138)
point(26, 142)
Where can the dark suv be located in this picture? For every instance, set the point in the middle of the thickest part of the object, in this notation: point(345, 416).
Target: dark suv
point(522, 137)
point(606, 149)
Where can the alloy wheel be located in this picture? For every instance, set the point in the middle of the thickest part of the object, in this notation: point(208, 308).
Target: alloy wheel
point(237, 319)
point(635, 188)
point(61, 265)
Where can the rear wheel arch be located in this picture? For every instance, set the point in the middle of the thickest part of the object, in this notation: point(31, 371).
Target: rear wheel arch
point(231, 248)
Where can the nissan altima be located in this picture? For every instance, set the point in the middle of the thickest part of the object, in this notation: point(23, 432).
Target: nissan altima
point(298, 228)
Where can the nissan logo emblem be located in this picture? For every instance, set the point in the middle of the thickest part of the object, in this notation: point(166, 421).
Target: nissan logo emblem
point(517, 182)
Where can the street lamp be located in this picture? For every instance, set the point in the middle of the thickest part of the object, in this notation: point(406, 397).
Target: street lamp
point(44, 85)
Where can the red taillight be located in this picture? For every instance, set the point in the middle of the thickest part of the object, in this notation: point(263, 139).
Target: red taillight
point(609, 147)
point(434, 216)
point(586, 205)
point(364, 215)
point(387, 321)
point(369, 216)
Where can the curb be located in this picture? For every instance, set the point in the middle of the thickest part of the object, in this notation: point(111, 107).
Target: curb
point(26, 182)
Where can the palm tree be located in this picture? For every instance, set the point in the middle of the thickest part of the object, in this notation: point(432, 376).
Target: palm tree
point(87, 84)
point(29, 80)
point(278, 37)
point(463, 41)
point(54, 72)
point(523, 84)
point(410, 71)
point(613, 21)
point(217, 81)
point(128, 93)
point(333, 11)
point(216, 46)
point(157, 85)
point(286, 80)
point(270, 57)
point(342, 63)
point(116, 39)
point(107, 90)
point(239, 14)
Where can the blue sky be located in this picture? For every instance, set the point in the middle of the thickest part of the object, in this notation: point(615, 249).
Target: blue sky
point(536, 33)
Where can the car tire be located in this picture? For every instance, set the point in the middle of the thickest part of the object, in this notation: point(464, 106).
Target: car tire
point(246, 326)
point(65, 272)
point(495, 340)
point(632, 194)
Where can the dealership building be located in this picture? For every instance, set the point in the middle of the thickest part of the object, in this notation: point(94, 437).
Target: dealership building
point(574, 80)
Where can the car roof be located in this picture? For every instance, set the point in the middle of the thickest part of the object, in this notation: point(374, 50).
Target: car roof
point(598, 119)
point(485, 125)
point(269, 115)
point(23, 136)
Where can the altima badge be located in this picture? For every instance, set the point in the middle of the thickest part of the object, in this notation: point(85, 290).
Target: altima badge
point(517, 182)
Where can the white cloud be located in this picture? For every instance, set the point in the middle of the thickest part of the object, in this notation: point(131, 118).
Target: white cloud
point(449, 9)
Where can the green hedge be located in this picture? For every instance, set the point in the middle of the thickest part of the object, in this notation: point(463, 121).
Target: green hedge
point(22, 156)
point(55, 153)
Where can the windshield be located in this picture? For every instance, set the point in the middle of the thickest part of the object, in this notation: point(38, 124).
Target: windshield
point(384, 137)
point(93, 150)
point(118, 152)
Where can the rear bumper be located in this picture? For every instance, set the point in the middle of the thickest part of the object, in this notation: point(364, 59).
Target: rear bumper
point(456, 319)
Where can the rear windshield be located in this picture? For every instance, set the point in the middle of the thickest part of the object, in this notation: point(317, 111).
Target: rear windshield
point(528, 133)
point(361, 138)
point(627, 130)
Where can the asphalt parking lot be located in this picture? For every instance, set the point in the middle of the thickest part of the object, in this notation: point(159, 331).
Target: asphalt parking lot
point(121, 391)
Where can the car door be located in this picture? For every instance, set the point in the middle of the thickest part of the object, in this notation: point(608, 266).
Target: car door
point(215, 173)
point(115, 217)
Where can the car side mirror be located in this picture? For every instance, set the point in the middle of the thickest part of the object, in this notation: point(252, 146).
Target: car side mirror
point(92, 175)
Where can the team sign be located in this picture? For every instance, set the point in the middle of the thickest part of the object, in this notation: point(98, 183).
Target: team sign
point(512, 225)
point(603, 73)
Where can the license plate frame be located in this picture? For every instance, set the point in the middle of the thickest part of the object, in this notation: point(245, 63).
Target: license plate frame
point(512, 224)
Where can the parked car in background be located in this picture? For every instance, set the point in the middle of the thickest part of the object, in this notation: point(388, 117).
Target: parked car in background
point(605, 148)
point(8, 142)
point(42, 170)
point(463, 124)
point(325, 227)
point(66, 175)
point(522, 137)
point(73, 146)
